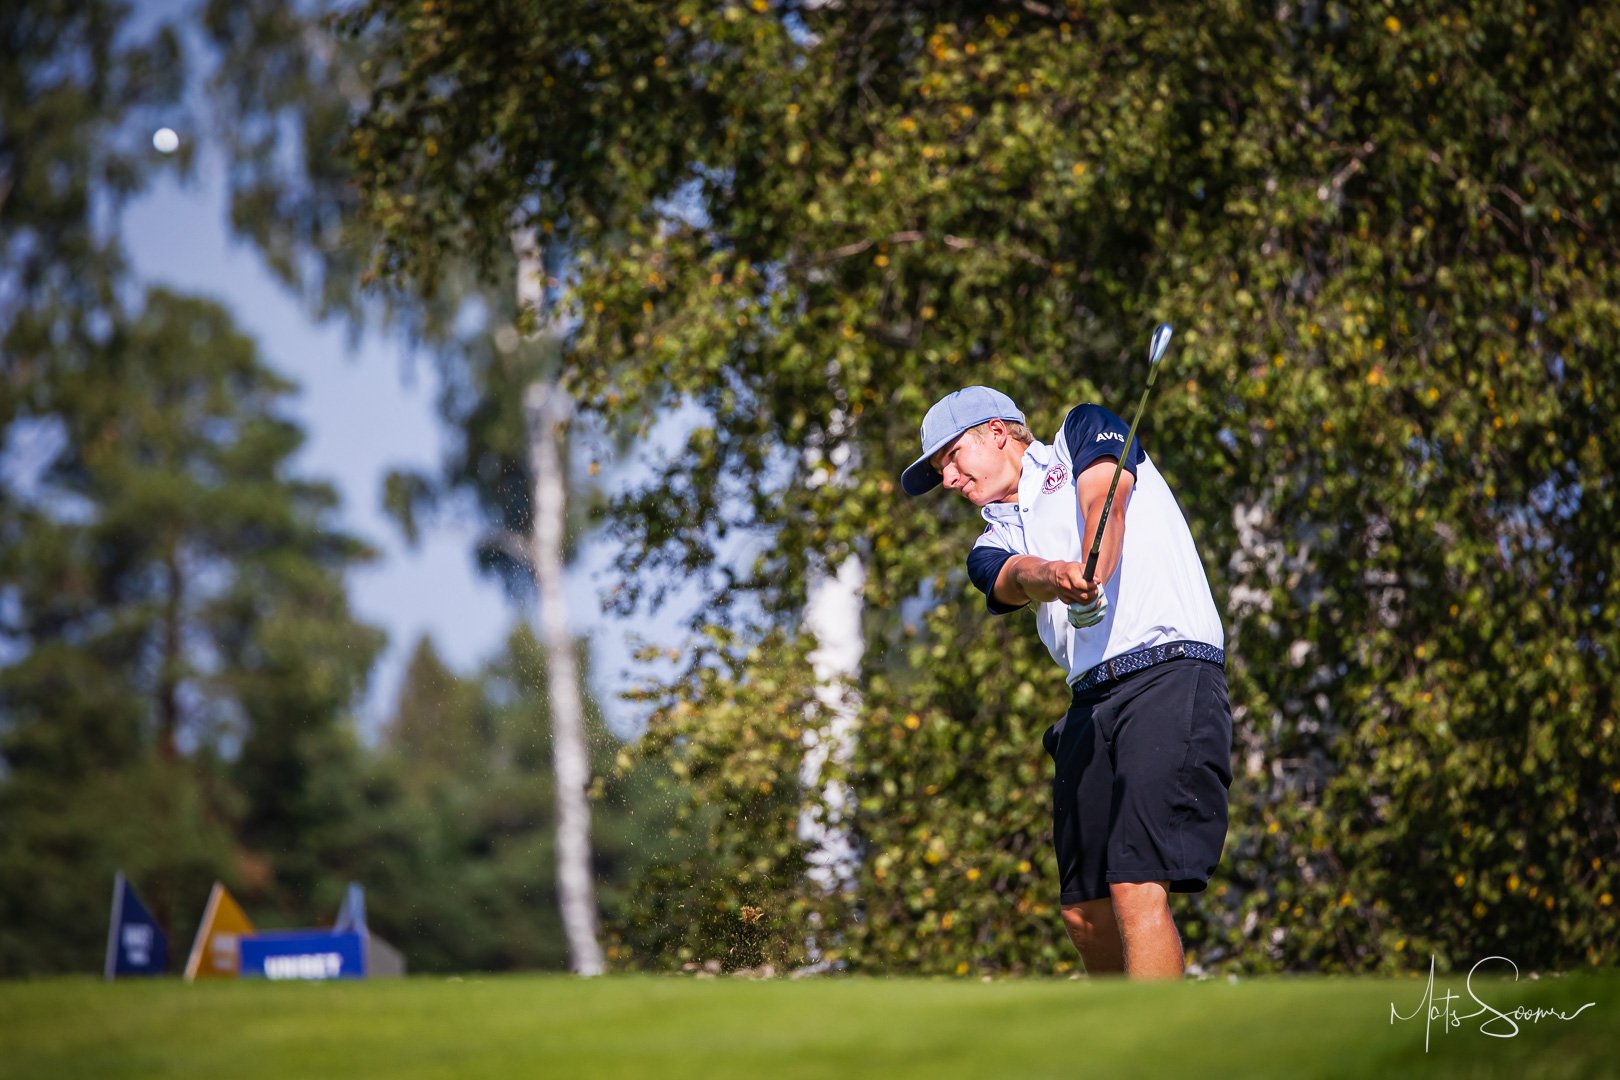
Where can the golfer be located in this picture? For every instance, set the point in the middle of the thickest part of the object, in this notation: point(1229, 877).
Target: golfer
point(1143, 756)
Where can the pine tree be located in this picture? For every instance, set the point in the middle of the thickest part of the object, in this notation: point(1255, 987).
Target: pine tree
point(179, 602)
point(74, 87)
point(457, 843)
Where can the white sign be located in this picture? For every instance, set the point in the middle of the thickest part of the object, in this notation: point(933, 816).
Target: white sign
point(327, 965)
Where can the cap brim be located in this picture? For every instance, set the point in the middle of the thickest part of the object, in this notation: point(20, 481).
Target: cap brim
point(920, 477)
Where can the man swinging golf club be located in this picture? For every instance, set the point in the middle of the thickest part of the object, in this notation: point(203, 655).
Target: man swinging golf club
point(1143, 756)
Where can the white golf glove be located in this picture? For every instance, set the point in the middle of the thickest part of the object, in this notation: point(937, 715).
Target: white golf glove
point(1084, 615)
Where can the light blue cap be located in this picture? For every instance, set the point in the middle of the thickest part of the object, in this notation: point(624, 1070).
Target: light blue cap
point(950, 416)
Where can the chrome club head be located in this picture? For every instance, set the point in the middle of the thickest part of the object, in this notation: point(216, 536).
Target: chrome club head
point(1160, 342)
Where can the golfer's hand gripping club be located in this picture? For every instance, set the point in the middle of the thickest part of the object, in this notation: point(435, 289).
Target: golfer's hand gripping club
point(1082, 616)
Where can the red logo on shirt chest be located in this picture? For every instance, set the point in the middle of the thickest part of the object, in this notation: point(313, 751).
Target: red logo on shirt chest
point(1055, 478)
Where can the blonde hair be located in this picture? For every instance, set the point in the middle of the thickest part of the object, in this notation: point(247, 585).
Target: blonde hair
point(1017, 431)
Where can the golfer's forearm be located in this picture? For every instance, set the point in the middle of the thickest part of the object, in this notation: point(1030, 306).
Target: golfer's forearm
point(1113, 543)
point(1092, 493)
point(1024, 578)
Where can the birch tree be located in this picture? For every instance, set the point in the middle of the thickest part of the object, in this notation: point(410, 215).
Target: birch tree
point(1388, 242)
point(546, 413)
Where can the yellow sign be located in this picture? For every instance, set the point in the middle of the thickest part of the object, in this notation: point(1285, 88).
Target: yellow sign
point(215, 953)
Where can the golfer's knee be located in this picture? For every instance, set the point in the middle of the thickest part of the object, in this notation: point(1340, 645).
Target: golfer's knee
point(1135, 901)
point(1088, 922)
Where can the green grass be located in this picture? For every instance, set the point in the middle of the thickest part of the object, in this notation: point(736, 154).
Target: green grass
point(665, 1028)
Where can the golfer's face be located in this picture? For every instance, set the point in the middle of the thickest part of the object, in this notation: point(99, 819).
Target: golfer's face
point(972, 466)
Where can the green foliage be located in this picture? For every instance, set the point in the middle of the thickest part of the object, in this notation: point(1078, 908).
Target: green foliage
point(732, 735)
point(179, 704)
point(177, 600)
point(169, 549)
point(279, 97)
point(1388, 242)
point(454, 837)
point(475, 788)
point(159, 822)
point(74, 88)
point(960, 875)
point(177, 657)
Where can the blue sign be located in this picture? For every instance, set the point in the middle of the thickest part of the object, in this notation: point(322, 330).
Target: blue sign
point(136, 945)
point(304, 954)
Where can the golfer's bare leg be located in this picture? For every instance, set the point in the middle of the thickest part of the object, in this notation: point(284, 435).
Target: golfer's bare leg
point(1095, 933)
point(1152, 945)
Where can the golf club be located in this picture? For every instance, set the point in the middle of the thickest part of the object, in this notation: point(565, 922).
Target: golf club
point(1156, 348)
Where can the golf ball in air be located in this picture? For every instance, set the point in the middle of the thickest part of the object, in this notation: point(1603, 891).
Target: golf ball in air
point(165, 141)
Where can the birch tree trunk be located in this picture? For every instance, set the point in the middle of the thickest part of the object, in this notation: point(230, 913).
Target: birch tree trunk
point(833, 615)
point(546, 409)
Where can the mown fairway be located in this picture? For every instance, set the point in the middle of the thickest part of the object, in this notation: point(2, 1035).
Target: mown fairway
point(552, 1026)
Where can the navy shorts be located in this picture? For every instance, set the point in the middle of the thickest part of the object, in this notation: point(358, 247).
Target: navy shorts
point(1142, 765)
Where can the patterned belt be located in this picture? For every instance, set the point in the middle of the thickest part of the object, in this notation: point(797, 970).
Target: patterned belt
point(1127, 663)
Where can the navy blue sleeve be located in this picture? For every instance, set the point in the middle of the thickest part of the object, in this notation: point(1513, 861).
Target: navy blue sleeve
point(984, 566)
point(1092, 432)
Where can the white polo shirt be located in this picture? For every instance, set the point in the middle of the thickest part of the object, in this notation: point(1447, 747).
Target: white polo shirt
point(1158, 595)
